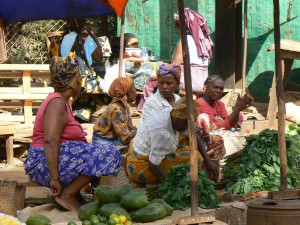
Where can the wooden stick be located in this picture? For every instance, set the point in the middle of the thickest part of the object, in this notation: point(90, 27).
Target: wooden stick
point(280, 101)
point(245, 46)
point(190, 108)
point(121, 46)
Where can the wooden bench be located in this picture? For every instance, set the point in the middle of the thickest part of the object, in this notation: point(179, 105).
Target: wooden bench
point(7, 130)
point(21, 200)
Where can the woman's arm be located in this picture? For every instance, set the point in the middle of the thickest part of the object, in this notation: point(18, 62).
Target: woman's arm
point(55, 119)
point(209, 164)
point(177, 56)
point(156, 170)
point(242, 103)
point(97, 55)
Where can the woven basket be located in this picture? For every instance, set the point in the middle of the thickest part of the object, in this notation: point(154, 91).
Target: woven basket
point(7, 196)
point(113, 181)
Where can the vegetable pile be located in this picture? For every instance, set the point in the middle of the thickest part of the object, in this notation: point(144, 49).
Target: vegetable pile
point(257, 166)
point(122, 205)
point(175, 189)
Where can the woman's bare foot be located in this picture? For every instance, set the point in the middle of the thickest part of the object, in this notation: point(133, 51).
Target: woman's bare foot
point(68, 202)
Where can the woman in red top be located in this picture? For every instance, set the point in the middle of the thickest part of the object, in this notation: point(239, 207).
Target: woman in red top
point(60, 157)
point(212, 112)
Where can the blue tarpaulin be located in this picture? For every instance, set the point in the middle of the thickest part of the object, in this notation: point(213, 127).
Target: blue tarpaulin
point(12, 11)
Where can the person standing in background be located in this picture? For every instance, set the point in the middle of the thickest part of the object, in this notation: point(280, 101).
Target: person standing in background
point(200, 48)
point(81, 41)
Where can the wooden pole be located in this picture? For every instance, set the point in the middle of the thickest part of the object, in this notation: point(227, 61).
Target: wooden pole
point(280, 101)
point(190, 108)
point(245, 46)
point(121, 46)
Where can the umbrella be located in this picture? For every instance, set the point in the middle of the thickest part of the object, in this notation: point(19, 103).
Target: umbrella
point(12, 11)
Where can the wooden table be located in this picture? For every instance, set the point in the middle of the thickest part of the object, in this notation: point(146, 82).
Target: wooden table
point(290, 50)
point(7, 130)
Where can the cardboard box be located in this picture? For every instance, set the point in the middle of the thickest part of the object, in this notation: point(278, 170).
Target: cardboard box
point(254, 126)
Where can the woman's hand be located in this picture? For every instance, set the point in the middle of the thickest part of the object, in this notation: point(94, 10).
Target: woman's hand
point(244, 102)
point(212, 167)
point(91, 30)
point(56, 188)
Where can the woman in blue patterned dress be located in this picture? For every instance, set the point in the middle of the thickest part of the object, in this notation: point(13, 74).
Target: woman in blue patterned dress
point(60, 157)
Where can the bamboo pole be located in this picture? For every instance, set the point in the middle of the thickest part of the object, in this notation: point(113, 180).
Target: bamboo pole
point(245, 46)
point(190, 106)
point(121, 56)
point(280, 100)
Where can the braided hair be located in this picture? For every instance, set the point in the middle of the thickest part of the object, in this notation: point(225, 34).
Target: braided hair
point(211, 78)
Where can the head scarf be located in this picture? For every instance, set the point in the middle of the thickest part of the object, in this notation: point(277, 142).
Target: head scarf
point(166, 69)
point(197, 26)
point(180, 109)
point(64, 72)
point(120, 87)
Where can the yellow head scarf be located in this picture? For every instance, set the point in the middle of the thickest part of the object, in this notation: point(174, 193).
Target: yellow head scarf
point(64, 72)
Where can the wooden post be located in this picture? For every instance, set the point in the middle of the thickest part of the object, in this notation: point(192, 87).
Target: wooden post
point(27, 90)
point(121, 46)
point(280, 100)
point(190, 108)
point(245, 46)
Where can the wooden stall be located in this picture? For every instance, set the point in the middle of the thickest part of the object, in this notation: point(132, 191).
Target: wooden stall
point(26, 96)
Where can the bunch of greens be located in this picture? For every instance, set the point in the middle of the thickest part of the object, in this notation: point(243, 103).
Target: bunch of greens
point(175, 189)
point(257, 166)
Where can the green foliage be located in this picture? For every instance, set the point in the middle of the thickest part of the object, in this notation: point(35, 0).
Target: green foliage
point(175, 189)
point(258, 167)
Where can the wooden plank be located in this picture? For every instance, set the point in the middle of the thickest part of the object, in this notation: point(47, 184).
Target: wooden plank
point(7, 128)
point(286, 44)
point(290, 54)
point(27, 183)
point(198, 219)
point(15, 118)
point(22, 67)
point(28, 112)
point(9, 148)
point(20, 197)
point(19, 74)
point(23, 96)
point(39, 201)
point(289, 194)
point(19, 90)
point(26, 81)
point(18, 104)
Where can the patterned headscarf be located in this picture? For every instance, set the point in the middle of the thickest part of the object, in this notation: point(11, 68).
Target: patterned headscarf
point(166, 69)
point(197, 26)
point(180, 109)
point(64, 72)
point(120, 87)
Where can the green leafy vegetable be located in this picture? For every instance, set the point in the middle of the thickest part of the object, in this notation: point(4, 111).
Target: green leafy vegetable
point(257, 166)
point(175, 189)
